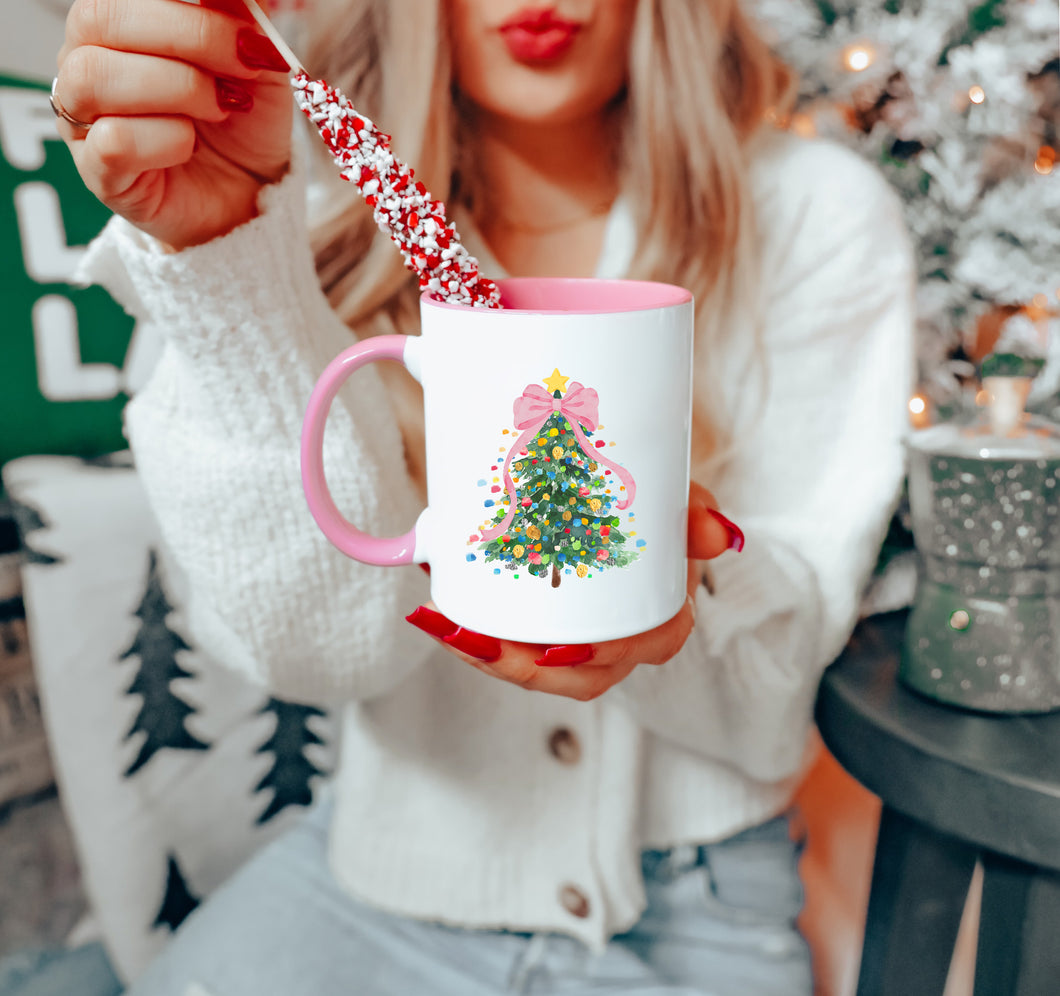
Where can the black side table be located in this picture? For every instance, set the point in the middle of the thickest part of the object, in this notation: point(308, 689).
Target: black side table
point(957, 787)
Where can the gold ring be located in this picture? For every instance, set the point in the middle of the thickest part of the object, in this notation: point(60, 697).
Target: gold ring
point(61, 112)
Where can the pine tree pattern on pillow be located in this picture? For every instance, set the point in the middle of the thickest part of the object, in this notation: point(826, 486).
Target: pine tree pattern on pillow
point(163, 712)
point(175, 767)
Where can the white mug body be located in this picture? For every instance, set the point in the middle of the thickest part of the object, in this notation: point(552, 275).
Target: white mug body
point(558, 435)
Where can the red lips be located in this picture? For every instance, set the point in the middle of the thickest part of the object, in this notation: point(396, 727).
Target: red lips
point(538, 34)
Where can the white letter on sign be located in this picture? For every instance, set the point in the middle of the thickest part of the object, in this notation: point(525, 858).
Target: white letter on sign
point(47, 257)
point(60, 373)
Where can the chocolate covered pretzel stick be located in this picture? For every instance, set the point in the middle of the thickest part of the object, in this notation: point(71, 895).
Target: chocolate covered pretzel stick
point(402, 206)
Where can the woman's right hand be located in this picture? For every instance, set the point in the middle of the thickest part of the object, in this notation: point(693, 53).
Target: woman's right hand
point(190, 111)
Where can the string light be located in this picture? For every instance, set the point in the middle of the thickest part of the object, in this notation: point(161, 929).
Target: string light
point(919, 417)
point(1038, 312)
point(803, 125)
point(858, 57)
point(1046, 160)
point(976, 94)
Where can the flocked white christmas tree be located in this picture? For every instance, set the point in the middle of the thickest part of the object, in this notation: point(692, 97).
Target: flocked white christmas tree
point(958, 102)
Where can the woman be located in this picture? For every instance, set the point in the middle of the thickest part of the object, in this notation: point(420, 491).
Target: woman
point(626, 831)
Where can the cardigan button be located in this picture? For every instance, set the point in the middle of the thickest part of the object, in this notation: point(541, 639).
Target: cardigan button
point(574, 901)
point(564, 746)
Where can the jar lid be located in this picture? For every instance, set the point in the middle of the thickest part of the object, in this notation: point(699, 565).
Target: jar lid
point(1035, 438)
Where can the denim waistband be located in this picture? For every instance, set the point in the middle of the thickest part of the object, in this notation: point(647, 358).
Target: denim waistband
point(669, 863)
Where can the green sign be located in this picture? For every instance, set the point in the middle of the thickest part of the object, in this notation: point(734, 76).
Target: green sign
point(65, 362)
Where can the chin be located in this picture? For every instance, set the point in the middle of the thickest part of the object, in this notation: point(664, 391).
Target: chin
point(539, 100)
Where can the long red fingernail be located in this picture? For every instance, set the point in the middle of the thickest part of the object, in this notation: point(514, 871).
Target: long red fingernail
point(734, 531)
point(257, 52)
point(231, 96)
point(432, 622)
point(567, 655)
point(478, 645)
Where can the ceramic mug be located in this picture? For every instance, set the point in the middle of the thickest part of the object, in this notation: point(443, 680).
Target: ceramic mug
point(558, 436)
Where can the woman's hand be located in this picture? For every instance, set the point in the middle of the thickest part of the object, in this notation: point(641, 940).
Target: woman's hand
point(584, 672)
point(188, 108)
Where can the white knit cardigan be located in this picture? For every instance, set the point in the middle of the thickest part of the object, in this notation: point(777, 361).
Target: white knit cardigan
point(449, 803)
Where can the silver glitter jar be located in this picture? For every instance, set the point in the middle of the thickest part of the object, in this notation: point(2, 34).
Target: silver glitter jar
point(984, 631)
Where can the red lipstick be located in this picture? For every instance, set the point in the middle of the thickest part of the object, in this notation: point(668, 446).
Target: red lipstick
point(538, 34)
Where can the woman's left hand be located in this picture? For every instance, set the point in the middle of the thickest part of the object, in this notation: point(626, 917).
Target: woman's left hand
point(585, 671)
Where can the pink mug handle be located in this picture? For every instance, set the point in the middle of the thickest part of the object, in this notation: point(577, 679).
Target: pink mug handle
point(342, 533)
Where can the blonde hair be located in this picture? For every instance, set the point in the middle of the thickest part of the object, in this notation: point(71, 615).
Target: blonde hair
point(702, 83)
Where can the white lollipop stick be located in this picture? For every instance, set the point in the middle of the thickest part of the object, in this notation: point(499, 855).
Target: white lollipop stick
point(293, 62)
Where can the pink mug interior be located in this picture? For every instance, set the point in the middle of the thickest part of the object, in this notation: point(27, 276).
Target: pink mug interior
point(579, 296)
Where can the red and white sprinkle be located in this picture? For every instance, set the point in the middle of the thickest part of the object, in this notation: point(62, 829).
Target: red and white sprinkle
point(402, 205)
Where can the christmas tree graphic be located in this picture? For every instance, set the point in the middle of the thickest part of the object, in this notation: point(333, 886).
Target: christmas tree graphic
point(12, 625)
point(162, 715)
point(29, 521)
point(178, 900)
point(558, 510)
point(291, 774)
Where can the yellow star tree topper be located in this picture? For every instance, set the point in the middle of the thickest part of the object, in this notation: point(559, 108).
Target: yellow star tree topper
point(556, 381)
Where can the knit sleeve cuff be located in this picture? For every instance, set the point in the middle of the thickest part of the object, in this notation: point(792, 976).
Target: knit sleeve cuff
point(741, 689)
point(253, 288)
point(246, 327)
point(767, 579)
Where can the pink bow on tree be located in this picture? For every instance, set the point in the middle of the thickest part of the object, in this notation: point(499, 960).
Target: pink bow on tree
point(532, 409)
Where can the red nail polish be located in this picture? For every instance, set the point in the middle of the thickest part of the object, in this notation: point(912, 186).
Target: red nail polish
point(232, 96)
point(432, 622)
point(478, 645)
point(256, 51)
point(734, 531)
point(566, 656)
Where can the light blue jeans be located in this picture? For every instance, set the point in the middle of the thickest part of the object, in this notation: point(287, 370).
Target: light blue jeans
point(720, 921)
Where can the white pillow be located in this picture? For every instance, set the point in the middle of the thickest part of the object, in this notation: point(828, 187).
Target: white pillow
point(172, 770)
